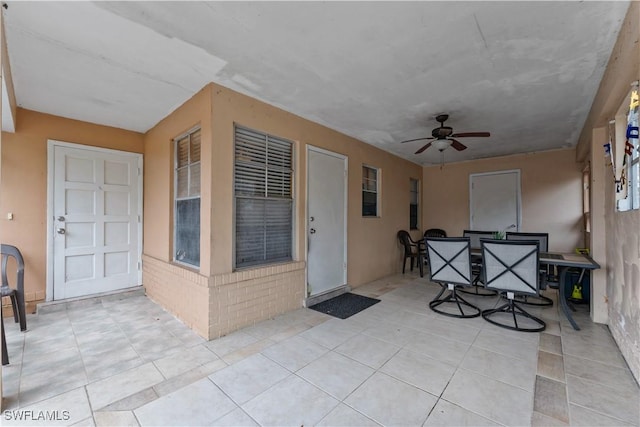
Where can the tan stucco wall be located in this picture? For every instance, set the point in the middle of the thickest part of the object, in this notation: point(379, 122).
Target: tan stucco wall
point(551, 193)
point(616, 298)
point(372, 247)
point(24, 182)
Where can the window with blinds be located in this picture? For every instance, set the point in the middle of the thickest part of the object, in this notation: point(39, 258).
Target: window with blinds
point(369, 191)
point(187, 199)
point(263, 196)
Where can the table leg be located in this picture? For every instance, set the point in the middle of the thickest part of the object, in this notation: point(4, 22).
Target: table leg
point(564, 283)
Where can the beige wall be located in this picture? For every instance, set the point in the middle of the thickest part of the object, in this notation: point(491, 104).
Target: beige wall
point(616, 239)
point(24, 183)
point(551, 192)
point(372, 248)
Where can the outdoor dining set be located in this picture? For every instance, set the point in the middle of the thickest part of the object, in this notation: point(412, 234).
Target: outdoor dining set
point(515, 266)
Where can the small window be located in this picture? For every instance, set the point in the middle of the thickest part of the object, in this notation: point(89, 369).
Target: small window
point(370, 191)
point(414, 189)
point(187, 199)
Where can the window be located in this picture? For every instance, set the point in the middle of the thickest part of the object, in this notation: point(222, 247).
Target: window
point(634, 177)
point(370, 191)
point(263, 198)
point(628, 189)
point(186, 228)
point(413, 203)
point(586, 199)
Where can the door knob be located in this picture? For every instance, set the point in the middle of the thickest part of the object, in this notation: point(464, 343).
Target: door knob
point(312, 231)
point(60, 230)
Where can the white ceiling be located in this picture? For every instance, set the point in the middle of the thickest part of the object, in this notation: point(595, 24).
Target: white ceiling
point(379, 71)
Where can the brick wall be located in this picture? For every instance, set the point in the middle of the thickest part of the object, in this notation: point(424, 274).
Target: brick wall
point(247, 297)
point(221, 304)
point(181, 291)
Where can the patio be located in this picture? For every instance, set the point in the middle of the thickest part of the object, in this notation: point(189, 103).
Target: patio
point(123, 360)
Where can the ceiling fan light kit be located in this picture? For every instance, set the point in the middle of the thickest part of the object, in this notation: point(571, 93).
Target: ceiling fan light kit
point(444, 137)
point(441, 144)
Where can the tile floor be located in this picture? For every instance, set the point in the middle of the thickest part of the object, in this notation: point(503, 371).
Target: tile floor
point(122, 360)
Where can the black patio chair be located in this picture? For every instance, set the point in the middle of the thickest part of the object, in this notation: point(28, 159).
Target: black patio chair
point(412, 250)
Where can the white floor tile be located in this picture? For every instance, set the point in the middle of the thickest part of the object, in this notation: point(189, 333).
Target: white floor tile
point(345, 416)
point(293, 402)
point(489, 398)
point(106, 391)
point(391, 402)
point(336, 374)
point(368, 350)
point(448, 414)
point(246, 379)
point(294, 353)
point(419, 370)
point(198, 404)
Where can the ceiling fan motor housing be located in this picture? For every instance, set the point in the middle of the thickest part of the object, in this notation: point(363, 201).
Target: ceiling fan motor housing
point(442, 132)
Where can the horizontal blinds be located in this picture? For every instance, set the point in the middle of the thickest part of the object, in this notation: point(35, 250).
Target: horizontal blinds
point(264, 204)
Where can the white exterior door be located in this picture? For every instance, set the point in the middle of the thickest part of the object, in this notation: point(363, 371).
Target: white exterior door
point(95, 228)
point(326, 222)
point(495, 201)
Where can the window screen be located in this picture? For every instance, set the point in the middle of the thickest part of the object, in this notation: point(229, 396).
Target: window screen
point(413, 203)
point(187, 199)
point(263, 198)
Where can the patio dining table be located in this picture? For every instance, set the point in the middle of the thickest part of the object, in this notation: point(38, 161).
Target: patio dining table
point(565, 262)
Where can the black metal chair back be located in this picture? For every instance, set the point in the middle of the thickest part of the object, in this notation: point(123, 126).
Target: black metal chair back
point(435, 232)
point(476, 235)
point(512, 267)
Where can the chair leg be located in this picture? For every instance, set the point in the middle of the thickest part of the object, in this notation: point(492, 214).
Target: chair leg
point(14, 306)
point(421, 263)
point(5, 353)
point(539, 301)
point(21, 311)
point(515, 310)
point(453, 298)
point(404, 264)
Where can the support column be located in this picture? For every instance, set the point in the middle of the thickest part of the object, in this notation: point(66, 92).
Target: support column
point(597, 239)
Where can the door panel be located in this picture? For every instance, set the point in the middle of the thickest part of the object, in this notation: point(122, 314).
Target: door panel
point(96, 207)
point(326, 225)
point(495, 201)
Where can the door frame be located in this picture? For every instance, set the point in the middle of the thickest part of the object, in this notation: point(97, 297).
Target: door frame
point(518, 195)
point(345, 160)
point(51, 145)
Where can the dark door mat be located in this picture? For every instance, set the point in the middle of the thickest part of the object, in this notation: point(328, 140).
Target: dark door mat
point(345, 305)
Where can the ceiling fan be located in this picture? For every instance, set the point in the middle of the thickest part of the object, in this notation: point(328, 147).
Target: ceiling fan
point(444, 136)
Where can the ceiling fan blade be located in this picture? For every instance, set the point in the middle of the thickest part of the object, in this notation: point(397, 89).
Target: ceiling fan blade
point(471, 134)
point(417, 139)
point(457, 145)
point(423, 148)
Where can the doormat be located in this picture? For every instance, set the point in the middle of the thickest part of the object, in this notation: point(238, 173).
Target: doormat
point(345, 305)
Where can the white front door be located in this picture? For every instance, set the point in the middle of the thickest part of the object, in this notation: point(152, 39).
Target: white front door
point(96, 223)
point(326, 222)
point(495, 201)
